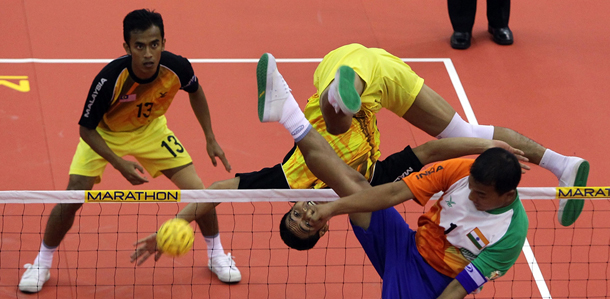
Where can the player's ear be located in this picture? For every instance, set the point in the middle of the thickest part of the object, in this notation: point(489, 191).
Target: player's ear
point(323, 230)
point(163, 45)
point(127, 49)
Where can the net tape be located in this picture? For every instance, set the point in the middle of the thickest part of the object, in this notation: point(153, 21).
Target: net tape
point(268, 195)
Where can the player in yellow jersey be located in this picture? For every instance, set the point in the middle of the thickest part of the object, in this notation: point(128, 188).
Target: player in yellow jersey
point(124, 115)
point(354, 82)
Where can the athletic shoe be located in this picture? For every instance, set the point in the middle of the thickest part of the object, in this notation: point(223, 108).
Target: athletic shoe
point(33, 279)
point(272, 89)
point(342, 93)
point(575, 174)
point(224, 267)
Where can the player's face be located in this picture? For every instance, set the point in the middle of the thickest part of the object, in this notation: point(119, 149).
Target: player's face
point(486, 197)
point(298, 225)
point(145, 48)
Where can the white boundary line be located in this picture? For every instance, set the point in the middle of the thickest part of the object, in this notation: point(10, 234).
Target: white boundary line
point(527, 250)
point(455, 80)
point(198, 60)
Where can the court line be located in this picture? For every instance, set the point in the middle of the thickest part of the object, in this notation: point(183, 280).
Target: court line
point(527, 250)
point(455, 80)
point(195, 60)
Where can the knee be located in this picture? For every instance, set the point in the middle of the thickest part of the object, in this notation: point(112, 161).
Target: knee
point(229, 184)
point(79, 182)
point(66, 209)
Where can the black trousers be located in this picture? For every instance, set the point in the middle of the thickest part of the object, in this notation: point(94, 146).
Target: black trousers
point(462, 13)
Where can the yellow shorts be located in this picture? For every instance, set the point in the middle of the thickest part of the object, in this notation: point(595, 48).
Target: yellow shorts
point(155, 146)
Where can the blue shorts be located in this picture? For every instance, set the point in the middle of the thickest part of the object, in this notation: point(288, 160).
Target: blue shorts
point(390, 245)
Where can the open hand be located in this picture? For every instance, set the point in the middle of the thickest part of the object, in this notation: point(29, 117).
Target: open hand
point(517, 152)
point(146, 248)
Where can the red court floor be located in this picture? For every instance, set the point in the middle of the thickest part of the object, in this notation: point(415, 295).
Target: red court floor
point(551, 85)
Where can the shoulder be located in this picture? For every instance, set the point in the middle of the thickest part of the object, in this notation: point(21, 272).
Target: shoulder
point(116, 66)
point(170, 60)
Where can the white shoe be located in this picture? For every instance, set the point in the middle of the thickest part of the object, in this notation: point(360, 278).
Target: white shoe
point(273, 91)
point(33, 279)
point(224, 267)
point(342, 94)
point(575, 174)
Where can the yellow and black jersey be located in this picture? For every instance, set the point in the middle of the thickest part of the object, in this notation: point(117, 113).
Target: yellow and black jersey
point(118, 101)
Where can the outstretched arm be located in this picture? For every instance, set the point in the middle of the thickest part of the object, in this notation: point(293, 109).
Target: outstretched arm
point(147, 246)
point(449, 148)
point(200, 107)
point(366, 201)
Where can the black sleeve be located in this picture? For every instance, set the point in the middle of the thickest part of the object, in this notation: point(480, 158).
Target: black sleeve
point(396, 167)
point(101, 92)
point(183, 68)
point(98, 102)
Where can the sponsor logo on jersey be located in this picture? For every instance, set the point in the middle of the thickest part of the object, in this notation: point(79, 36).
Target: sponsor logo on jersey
point(430, 171)
point(404, 174)
point(450, 202)
point(193, 79)
point(97, 89)
point(127, 98)
point(494, 274)
point(468, 254)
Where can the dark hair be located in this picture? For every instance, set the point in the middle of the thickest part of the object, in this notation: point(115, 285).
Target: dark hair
point(141, 20)
point(497, 167)
point(293, 241)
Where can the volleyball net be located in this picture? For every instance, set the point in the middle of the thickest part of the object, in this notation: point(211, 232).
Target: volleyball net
point(93, 259)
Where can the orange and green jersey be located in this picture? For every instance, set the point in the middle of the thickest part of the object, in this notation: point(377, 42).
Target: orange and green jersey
point(453, 233)
point(390, 84)
point(118, 101)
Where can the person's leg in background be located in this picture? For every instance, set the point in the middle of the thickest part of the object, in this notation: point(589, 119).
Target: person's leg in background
point(498, 13)
point(461, 14)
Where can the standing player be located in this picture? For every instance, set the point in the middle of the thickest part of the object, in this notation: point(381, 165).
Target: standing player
point(124, 115)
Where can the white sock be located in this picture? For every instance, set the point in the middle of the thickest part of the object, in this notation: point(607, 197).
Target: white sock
point(554, 162)
point(214, 246)
point(333, 96)
point(460, 128)
point(294, 120)
point(44, 258)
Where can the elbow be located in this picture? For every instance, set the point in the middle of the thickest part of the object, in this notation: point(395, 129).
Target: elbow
point(87, 134)
point(84, 132)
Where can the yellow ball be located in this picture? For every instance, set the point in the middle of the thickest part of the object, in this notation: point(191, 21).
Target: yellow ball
point(175, 237)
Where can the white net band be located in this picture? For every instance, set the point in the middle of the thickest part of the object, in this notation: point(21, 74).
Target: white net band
point(268, 195)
